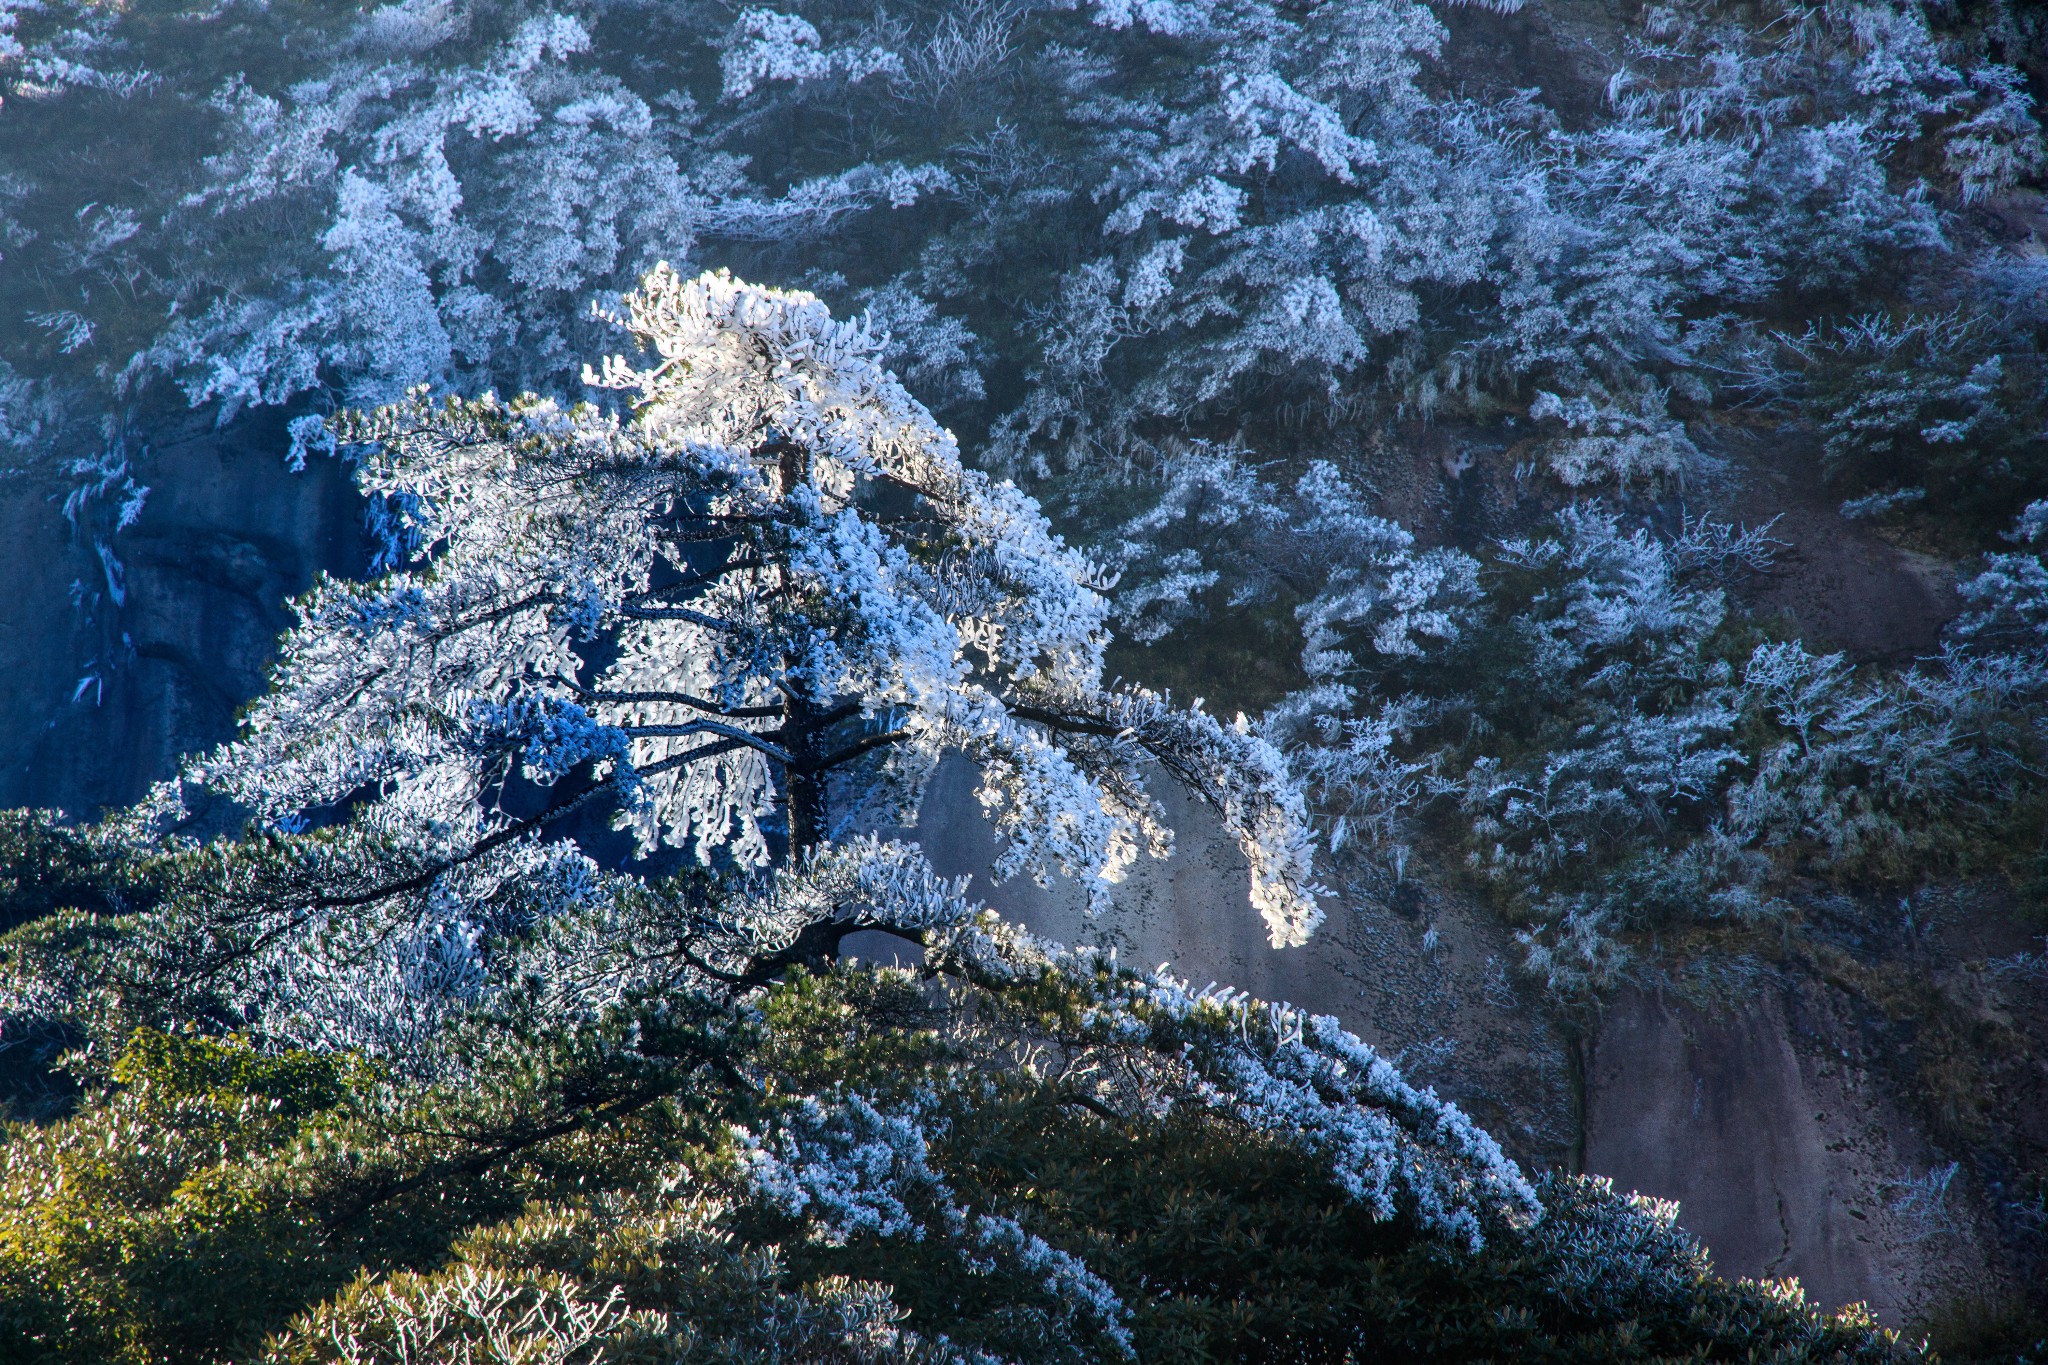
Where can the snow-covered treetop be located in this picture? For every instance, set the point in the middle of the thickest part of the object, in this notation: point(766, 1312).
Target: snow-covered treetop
point(1137, 213)
point(772, 581)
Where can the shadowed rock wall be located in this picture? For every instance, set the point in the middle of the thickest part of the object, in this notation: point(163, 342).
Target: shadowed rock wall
point(226, 536)
point(1780, 1164)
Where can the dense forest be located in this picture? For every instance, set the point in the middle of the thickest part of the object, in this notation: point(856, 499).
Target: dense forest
point(1412, 441)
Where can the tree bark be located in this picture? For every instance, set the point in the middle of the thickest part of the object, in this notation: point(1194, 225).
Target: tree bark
point(804, 783)
point(806, 812)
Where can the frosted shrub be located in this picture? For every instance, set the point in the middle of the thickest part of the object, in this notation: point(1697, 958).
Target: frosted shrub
point(855, 1172)
point(1943, 406)
point(2007, 605)
point(474, 209)
point(1612, 442)
point(768, 599)
point(1219, 536)
point(1287, 1072)
point(476, 1316)
point(1610, 758)
point(765, 46)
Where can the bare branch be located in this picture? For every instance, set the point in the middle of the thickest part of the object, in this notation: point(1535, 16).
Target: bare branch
point(677, 614)
point(672, 698)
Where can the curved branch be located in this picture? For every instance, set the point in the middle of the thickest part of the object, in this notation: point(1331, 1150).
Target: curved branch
point(732, 738)
point(497, 839)
point(713, 727)
point(815, 943)
point(684, 760)
point(697, 580)
point(805, 724)
point(1095, 1107)
point(493, 1148)
point(696, 618)
point(672, 698)
point(1068, 723)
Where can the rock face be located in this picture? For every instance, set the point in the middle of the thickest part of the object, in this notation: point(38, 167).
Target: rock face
point(1839, 582)
point(1779, 1163)
point(102, 698)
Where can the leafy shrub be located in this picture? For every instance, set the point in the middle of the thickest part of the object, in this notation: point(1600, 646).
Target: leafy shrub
point(216, 1202)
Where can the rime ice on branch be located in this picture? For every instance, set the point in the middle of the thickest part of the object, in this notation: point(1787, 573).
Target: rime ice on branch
point(772, 583)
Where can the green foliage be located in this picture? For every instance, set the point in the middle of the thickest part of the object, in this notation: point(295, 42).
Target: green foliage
point(580, 1196)
point(145, 1229)
point(47, 865)
point(213, 1190)
point(64, 890)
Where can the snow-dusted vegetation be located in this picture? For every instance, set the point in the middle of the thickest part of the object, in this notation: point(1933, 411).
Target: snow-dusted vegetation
point(1580, 718)
point(1082, 225)
point(756, 407)
point(774, 574)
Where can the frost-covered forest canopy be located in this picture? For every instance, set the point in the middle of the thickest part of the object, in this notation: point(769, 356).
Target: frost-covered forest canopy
point(758, 407)
point(1135, 255)
point(1090, 230)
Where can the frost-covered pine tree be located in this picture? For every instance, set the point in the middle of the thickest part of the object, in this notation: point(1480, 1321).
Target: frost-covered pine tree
point(767, 589)
point(763, 602)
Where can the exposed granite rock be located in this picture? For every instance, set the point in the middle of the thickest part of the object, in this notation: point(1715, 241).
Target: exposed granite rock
point(1782, 1163)
point(226, 536)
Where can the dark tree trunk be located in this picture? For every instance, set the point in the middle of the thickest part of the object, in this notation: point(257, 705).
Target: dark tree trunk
point(804, 783)
point(806, 813)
